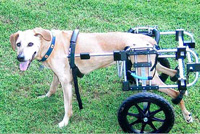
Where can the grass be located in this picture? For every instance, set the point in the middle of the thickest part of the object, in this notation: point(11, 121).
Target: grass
point(22, 112)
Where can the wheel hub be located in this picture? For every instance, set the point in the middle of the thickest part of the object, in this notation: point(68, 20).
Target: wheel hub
point(145, 119)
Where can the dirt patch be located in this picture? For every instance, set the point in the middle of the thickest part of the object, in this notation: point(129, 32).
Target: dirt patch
point(5, 20)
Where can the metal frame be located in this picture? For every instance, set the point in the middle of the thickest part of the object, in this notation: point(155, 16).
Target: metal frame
point(180, 53)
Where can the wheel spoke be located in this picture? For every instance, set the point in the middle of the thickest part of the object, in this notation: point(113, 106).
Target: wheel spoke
point(135, 122)
point(147, 108)
point(157, 119)
point(139, 109)
point(143, 126)
point(155, 112)
point(135, 115)
point(152, 126)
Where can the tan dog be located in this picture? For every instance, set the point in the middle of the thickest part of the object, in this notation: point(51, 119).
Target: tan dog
point(33, 44)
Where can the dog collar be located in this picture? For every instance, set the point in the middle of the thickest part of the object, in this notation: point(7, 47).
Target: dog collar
point(48, 53)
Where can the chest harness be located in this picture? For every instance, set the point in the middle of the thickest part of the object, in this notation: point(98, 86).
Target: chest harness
point(75, 71)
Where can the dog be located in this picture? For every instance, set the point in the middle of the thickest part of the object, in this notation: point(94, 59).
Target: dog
point(33, 44)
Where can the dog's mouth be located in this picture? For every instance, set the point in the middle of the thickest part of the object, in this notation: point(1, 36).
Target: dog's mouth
point(25, 65)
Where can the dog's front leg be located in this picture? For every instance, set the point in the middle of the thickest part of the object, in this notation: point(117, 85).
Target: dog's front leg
point(53, 87)
point(67, 94)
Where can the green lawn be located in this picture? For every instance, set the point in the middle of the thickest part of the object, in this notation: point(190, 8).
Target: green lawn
point(22, 112)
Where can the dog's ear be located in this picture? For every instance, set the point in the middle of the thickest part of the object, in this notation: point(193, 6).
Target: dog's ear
point(13, 39)
point(46, 35)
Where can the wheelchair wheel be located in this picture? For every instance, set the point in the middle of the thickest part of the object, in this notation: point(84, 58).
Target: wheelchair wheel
point(146, 113)
point(165, 63)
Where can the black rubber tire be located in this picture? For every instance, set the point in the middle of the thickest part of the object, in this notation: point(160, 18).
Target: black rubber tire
point(165, 63)
point(150, 99)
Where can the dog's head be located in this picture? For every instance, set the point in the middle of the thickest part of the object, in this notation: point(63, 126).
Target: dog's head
point(28, 44)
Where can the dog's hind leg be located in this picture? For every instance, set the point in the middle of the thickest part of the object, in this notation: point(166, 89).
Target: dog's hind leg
point(173, 93)
point(165, 70)
point(53, 87)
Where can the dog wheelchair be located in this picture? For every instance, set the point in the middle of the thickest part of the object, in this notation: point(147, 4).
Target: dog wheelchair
point(148, 112)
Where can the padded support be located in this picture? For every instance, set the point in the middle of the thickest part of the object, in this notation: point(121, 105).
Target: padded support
point(84, 56)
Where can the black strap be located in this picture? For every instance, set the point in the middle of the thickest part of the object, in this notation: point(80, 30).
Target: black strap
point(78, 97)
point(156, 58)
point(156, 61)
point(72, 52)
point(75, 71)
point(72, 48)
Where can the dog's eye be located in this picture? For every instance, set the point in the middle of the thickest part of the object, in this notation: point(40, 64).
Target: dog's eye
point(30, 44)
point(18, 44)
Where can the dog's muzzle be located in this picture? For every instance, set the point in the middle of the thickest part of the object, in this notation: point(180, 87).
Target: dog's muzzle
point(21, 57)
point(24, 64)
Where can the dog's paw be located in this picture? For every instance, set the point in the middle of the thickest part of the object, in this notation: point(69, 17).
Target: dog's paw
point(188, 118)
point(186, 93)
point(42, 96)
point(62, 124)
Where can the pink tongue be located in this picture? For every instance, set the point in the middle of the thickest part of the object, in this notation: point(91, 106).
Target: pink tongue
point(24, 66)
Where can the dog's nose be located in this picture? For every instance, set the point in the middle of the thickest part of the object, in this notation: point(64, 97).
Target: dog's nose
point(20, 57)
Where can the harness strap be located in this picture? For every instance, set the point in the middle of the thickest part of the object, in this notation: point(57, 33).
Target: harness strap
point(156, 61)
point(72, 48)
point(156, 58)
point(78, 97)
point(72, 52)
point(75, 71)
